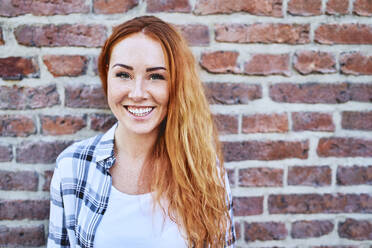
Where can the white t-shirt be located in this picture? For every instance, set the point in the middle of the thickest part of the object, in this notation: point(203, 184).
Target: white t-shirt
point(130, 222)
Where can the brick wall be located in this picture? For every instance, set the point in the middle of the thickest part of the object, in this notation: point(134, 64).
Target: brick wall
point(289, 82)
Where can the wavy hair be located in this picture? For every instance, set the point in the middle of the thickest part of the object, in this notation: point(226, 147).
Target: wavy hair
point(190, 175)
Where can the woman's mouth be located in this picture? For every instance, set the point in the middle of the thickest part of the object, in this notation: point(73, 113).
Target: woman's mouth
point(139, 111)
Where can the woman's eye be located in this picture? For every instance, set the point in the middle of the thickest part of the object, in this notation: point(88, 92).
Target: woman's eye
point(157, 76)
point(123, 75)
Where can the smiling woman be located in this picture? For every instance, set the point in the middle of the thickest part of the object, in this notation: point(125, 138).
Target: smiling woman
point(156, 178)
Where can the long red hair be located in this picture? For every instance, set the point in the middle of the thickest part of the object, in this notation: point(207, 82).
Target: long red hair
point(191, 173)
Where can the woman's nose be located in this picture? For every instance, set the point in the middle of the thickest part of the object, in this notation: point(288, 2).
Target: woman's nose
point(137, 92)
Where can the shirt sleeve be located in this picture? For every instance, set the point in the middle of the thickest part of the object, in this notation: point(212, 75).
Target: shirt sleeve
point(58, 236)
point(230, 233)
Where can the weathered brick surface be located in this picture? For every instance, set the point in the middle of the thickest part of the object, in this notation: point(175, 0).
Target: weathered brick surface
point(168, 6)
point(310, 229)
point(220, 62)
point(309, 175)
point(267, 64)
point(309, 121)
point(264, 231)
point(343, 34)
point(226, 124)
point(16, 68)
point(260, 177)
point(47, 180)
point(31, 152)
point(59, 125)
point(16, 125)
point(320, 93)
point(254, 7)
point(24, 209)
point(337, 7)
point(317, 203)
point(231, 177)
point(232, 93)
point(357, 120)
point(306, 62)
point(10, 8)
point(354, 175)
point(305, 7)
point(113, 6)
point(20, 180)
point(356, 64)
point(344, 147)
point(6, 153)
point(85, 96)
point(237, 231)
point(244, 206)
point(66, 65)
point(362, 7)
point(265, 150)
point(51, 35)
point(102, 122)
point(265, 123)
point(2, 42)
point(22, 236)
point(24, 97)
point(263, 33)
point(195, 34)
point(355, 229)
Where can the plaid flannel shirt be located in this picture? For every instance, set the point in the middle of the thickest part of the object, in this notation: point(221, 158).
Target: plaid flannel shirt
point(80, 190)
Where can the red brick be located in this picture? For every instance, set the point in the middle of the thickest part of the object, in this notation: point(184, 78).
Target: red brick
point(10, 8)
point(362, 7)
point(220, 62)
point(263, 33)
point(20, 180)
point(47, 180)
point(24, 209)
point(21, 98)
point(265, 150)
point(337, 7)
point(260, 177)
point(237, 230)
point(66, 65)
point(168, 6)
point(355, 229)
point(317, 203)
point(305, 7)
point(356, 64)
point(354, 175)
point(2, 42)
point(6, 153)
point(267, 64)
point(31, 152)
point(310, 229)
point(17, 68)
point(264, 231)
point(320, 93)
point(59, 125)
point(113, 6)
point(244, 206)
point(310, 121)
point(344, 147)
point(195, 34)
point(226, 124)
point(102, 122)
point(231, 177)
point(357, 120)
point(306, 62)
point(343, 34)
point(51, 35)
point(95, 64)
point(254, 7)
point(85, 96)
point(16, 126)
point(265, 123)
point(310, 175)
point(20, 236)
point(232, 93)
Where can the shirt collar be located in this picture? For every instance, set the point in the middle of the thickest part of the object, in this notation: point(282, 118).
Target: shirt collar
point(105, 148)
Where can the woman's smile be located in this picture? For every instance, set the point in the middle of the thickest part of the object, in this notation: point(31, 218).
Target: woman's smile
point(139, 111)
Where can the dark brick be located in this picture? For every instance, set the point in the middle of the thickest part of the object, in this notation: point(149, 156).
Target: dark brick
point(311, 229)
point(16, 126)
point(17, 68)
point(244, 206)
point(113, 6)
point(20, 180)
point(47, 180)
point(226, 124)
point(24, 209)
point(85, 96)
point(355, 229)
point(20, 236)
point(344, 147)
point(260, 177)
point(354, 175)
point(343, 34)
point(357, 120)
point(168, 6)
point(2, 42)
point(6, 153)
point(264, 231)
point(310, 121)
point(102, 122)
point(309, 175)
point(59, 125)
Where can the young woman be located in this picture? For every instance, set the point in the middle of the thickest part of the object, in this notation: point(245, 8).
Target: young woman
point(156, 178)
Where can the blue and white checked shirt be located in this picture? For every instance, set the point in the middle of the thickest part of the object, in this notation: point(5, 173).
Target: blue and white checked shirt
point(80, 190)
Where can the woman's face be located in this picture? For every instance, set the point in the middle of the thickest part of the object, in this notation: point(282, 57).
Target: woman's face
point(138, 84)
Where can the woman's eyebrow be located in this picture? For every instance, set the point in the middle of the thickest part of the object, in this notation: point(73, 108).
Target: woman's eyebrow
point(125, 66)
point(155, 68)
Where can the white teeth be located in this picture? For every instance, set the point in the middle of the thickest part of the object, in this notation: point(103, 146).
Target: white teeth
point(139, 111)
